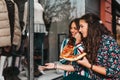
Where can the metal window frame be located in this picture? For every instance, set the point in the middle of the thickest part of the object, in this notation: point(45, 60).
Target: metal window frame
point(31, 38)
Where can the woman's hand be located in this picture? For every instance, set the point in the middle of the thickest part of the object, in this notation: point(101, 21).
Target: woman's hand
point(41, 68)
point(50, 65)
point(84, 62)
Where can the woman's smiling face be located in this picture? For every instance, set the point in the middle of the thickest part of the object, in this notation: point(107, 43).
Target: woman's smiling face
point(73, 29)
point(83, 27)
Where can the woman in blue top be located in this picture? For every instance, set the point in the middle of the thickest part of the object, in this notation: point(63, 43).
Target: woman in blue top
point(68, 66)
point(103, 52)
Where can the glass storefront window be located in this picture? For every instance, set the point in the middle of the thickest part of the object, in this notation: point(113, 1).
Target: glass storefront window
point(44, 25)
point(57, 15)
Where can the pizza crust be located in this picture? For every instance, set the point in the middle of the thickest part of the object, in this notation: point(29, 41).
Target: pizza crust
point(74, 57)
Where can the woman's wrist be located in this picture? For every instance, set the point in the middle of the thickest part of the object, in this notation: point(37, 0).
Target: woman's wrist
point(91, 67)
point(55, 65)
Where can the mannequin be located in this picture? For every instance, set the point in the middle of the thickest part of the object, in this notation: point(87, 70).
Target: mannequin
point(39, 33)
point(39, 25)
point(25, 16)
point(10, 36)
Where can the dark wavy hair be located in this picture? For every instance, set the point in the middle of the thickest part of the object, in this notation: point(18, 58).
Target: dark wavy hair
point(71, 39)
point(95, 31)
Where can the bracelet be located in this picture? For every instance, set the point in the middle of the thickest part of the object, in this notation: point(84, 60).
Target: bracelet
point(55, 65)
point(91, 66)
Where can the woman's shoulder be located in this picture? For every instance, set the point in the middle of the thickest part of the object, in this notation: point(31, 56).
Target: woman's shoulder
point(66, 40)
point(107, 38)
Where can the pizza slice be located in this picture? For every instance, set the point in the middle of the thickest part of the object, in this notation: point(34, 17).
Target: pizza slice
point(67, 54)
point(67, 50)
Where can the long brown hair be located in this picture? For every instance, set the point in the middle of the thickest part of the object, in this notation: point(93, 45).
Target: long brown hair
point(95, 31)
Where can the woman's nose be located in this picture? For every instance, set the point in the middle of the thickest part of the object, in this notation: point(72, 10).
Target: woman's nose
point(79, 29)
point(72, 30)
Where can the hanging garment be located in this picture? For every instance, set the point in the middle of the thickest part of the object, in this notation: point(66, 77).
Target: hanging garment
point(9, 28)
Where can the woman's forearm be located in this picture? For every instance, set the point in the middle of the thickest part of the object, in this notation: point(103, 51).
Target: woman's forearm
point(65, 67)
point(96, 68)
point(99, 69)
